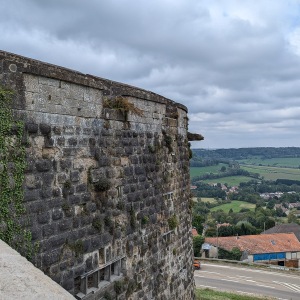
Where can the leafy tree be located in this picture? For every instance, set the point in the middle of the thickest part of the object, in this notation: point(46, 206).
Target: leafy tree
point(234, 254)
point(292, 218)
point(197, 244)
point(197, 222)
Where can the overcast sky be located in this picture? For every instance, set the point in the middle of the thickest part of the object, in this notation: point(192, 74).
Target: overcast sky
point(234, 63)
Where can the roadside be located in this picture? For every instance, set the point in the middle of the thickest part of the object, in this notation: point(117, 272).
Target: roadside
point(240, 264)
point(208, 294)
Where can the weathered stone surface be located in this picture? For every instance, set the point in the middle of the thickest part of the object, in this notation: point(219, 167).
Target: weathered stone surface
point(97, 179)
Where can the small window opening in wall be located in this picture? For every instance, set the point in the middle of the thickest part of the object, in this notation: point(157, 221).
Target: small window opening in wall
point(99, 278)
point(59, 85)
point(102, 274)
point(101, 256)
point(108, 254)
point(77, 284)
point(92, 281)
point(49, 97)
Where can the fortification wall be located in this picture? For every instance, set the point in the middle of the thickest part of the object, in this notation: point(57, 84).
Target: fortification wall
point(106, 186)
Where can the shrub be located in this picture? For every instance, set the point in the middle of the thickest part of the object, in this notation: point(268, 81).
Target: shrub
point(173, 222)
point(121, 103)
point(145, 220)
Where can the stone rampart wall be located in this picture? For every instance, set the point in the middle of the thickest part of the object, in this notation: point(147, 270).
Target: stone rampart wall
point(106, 188)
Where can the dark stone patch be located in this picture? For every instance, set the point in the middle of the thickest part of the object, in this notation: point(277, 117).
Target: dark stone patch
point(31, 127)
point(43, 218)
point(75, 176)
point(49, 229)
point(72, 142)
point(43, 165)
point(31, 195)
point(57, 214)
point(45, 128)
point(81, 188)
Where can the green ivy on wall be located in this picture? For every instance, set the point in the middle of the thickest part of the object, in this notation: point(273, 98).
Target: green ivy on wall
point(12, 166)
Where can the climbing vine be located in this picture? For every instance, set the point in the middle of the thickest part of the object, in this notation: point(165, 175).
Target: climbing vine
point(12, 166)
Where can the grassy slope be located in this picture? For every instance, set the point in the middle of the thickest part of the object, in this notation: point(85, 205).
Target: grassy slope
point(197, 171)
point(235, 205)
point(230, 180)
point(273, 173)
point(208, 294)
point(293, 162)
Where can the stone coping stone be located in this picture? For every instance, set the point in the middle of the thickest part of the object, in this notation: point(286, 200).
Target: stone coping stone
point(20, 279)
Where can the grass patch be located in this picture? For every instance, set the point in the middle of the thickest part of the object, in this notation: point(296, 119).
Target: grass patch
point(230, 180)
point(235, 205)
point(198, 171)
point(208, 294)
point(209, 200)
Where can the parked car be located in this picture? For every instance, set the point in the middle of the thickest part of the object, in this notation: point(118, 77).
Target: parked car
point(197, 264)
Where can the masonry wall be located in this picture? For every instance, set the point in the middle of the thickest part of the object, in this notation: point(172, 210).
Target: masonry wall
point(106, 191)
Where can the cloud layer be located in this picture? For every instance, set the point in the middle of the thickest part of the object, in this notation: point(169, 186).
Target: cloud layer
point(234, 64)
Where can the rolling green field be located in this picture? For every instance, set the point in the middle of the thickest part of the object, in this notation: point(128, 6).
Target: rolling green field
point(291, 162)
point(198, 171)
point(273, 173)
point(230, 180)
point(236, 206)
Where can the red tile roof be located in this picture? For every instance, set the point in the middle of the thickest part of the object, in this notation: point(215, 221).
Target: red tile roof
point(254, 244)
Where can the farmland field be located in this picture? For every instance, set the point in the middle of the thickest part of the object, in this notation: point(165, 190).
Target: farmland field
point(209, 200)
point(291, 162)
point(273, 173)
point(198, 171)
point(230, 180)
point(236, 206)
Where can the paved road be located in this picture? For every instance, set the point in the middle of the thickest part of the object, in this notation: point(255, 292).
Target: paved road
point(280, 285)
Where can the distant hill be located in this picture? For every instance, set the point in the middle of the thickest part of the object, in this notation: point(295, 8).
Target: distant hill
point(246, 153)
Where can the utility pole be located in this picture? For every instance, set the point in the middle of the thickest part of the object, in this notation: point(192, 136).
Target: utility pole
point(217, 240)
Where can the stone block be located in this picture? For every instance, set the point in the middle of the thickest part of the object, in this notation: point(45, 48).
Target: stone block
point(43, 165)
point(72, 142)
point(75, 176)
point(65, 164)
point(47, 179)
point(31, 128)
point(74, 199)
point(51, 257)
point(32, 181)
point(45, 129)
point(57, 214)
point(49, 230)
point(43, 218)
point(81, 188)
point(65, 225)
point(61, 141)
point(57, 130)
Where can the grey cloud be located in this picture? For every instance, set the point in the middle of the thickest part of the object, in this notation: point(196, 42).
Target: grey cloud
point(230, 63)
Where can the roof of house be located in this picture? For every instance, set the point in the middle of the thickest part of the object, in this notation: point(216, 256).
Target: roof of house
point(255, 244)
point(285, 228)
